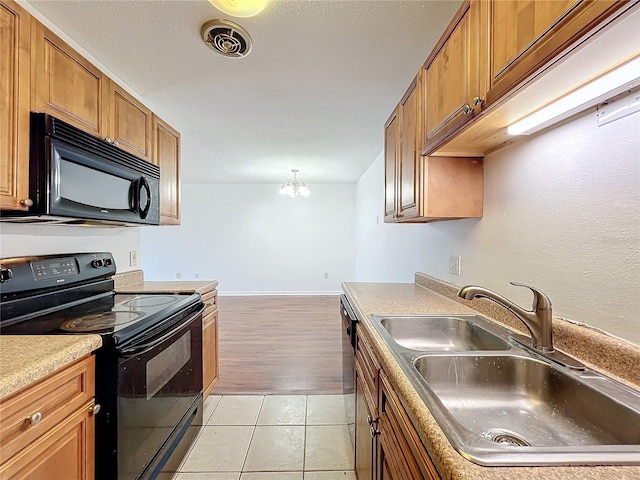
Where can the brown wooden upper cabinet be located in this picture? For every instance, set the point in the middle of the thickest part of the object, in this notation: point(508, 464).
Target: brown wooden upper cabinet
point(66, 85)
point(69, 87)
point(15, 38)
point(525, 35)
point(454, 77)
point(425, 189)
point(390, 175)
point(166, 155)
point(130, 123)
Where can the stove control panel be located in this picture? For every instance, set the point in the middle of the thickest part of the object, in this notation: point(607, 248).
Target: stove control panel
point(59, 267)
point(22, 274)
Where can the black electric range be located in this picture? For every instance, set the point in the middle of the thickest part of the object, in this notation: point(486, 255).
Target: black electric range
point(149, 369)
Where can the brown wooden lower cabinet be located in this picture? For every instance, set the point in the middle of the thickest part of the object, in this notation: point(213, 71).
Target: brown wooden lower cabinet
point(209, 341)
point(365, 429)
point(48, 428)
point(387, 445)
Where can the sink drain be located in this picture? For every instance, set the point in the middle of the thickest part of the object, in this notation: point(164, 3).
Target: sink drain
point(505, 437)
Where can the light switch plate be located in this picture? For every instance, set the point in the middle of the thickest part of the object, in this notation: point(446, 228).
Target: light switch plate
point(454, 265)
point(133, 258)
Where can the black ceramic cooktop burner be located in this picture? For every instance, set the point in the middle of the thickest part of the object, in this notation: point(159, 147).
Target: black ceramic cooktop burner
point(145, 301)
point(100, 321)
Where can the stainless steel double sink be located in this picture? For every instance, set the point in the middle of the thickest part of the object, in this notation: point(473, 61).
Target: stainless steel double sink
point(501, 404)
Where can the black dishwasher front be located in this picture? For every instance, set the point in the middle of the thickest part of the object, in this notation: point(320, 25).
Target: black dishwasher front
point(349, 321)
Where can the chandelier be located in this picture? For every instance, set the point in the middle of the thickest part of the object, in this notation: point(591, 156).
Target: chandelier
point(293, 188)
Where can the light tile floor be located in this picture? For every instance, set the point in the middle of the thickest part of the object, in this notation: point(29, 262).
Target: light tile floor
point(274, 437)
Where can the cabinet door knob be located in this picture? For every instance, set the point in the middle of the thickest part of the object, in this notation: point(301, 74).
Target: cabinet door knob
point(35, 418)
point(108, 140)
point(95, 409)
point(477, 101)
point(467, 109)
point(373, 431)
point(116, 143)
point(27, 202)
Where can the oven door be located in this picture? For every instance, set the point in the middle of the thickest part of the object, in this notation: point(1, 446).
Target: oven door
point(159, 380)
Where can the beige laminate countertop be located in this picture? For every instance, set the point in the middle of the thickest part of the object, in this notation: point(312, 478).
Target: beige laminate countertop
point(25, 359)
point(408, 298)
point(198, 286)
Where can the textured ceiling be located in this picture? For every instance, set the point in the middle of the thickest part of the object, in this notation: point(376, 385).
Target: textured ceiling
point(313, 94)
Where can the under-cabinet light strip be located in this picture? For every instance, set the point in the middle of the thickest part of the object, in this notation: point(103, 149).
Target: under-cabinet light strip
point(610, 84)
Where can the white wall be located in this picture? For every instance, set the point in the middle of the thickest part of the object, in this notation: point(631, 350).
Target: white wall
point(20, 240)
point(254, 241)
point(561, 212)
point(384, 252)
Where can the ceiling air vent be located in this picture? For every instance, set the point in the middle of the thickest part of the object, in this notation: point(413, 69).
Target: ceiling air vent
point(226, 38)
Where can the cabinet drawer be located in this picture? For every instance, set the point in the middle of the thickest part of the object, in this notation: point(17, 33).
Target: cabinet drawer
point(54, 398)
point(68, 448)
point(370, 396)
point(210, 300)
point(369, 363)
point(209, 316)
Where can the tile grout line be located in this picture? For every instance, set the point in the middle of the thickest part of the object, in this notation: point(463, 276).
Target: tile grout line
point(253, 432)
point(304, 438)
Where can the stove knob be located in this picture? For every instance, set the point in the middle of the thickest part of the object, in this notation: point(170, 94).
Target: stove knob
point(97, 263)
point(108, 262)
point(5, 275)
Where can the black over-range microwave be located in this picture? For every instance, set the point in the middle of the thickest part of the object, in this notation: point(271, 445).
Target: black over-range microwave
point(76, 178)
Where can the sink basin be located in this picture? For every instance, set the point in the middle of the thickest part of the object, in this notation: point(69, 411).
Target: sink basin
point(536, 404)
point(441, 334)
point(500, 403)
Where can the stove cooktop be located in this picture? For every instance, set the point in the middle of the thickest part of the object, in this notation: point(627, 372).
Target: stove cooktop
point(120, 316)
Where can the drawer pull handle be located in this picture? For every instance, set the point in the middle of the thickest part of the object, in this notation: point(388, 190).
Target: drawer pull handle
point(35, 418)
point(95, 409)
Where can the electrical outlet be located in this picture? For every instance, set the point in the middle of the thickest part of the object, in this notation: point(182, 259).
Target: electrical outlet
point(178, 275)
point(197, 275)
point(133, 258)
point(326, 275)
point(454, 265)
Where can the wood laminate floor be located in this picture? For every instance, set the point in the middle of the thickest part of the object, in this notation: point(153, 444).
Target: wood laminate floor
point(279, 345)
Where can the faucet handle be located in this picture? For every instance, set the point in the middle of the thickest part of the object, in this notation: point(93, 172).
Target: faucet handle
point(540, 299)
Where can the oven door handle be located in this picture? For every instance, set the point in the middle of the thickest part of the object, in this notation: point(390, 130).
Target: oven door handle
point(140, 348)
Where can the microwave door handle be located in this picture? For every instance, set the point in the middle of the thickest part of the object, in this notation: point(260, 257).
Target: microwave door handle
point(138, 186)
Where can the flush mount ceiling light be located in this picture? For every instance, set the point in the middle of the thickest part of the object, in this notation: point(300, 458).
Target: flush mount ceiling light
point(293, 188)
point(239, 8)
point(602, 88)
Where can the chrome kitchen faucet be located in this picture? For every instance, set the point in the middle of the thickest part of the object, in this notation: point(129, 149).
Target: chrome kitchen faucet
point(538, 321)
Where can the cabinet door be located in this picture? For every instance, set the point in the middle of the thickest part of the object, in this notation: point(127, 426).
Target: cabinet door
point(209, 352)
point(14, 106)
point(390, 171)
point(537, 31)
point(410, 161)
point(67, 85)
point(68, 448)
point(364, 422)
point(453, 77)
point(130, 123)
point(166, 155)
point(399, 445)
